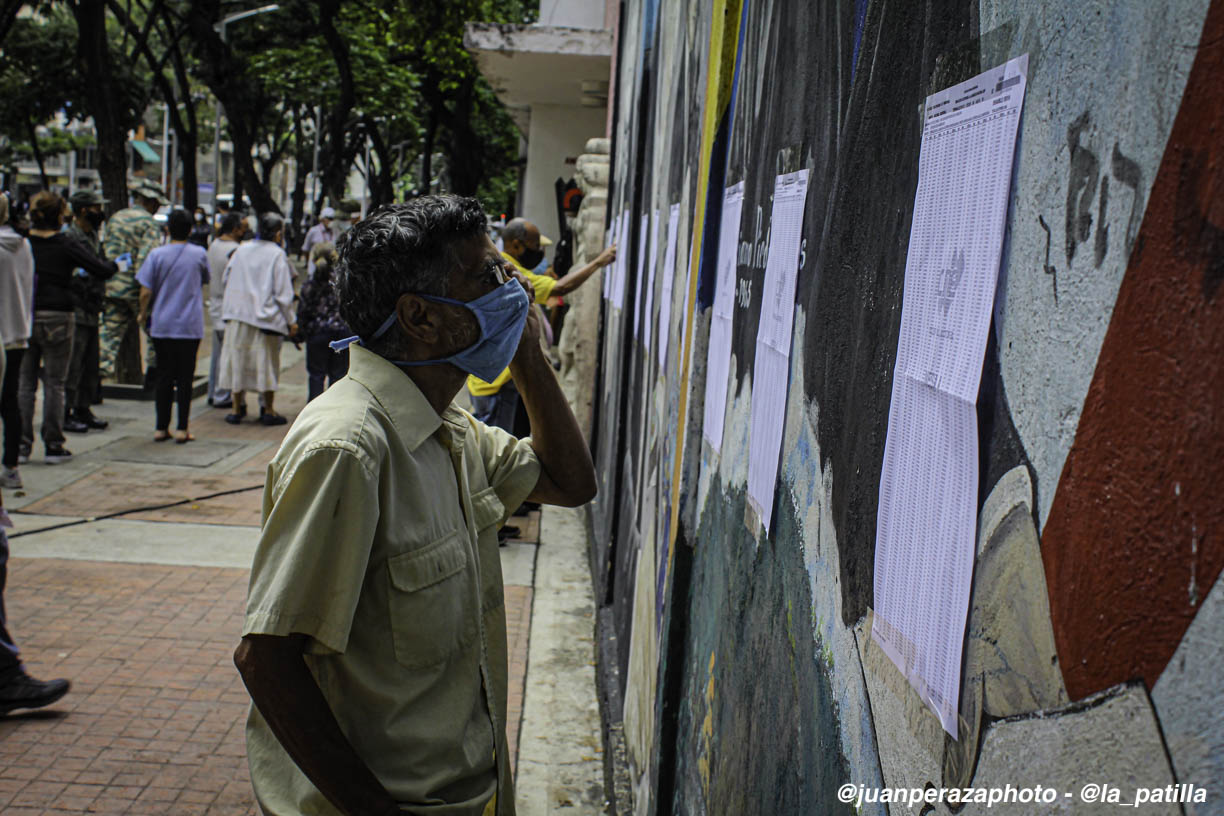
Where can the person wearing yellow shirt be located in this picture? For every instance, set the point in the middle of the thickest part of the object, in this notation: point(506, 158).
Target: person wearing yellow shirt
point(495, 403)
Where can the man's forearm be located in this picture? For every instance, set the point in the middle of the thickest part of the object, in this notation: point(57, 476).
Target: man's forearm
point(289, 699)
point(574, 279)
point(555, 435)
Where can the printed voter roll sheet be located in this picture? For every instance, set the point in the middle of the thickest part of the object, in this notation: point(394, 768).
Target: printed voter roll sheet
point(718, 357)
point(771, 369)
point(926, 523)
point(648, 309)
point(608, 270)
point(622, 263)
point(669, 278)
point(641, 275)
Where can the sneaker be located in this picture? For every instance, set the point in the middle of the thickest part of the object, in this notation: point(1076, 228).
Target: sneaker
point(57, 455)
point(23, 691)
point(92, 421)
point(9, 477)
point(73, 425)
point(227, 403)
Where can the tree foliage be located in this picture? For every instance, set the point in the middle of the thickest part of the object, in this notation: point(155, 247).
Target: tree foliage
point(385, 78)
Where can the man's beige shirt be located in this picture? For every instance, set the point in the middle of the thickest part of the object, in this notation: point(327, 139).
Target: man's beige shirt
point(379, 542)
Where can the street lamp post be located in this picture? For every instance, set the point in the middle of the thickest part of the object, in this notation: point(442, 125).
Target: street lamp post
point(220, 29)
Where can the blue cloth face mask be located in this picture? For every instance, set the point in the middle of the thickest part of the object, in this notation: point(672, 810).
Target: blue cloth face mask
point(501, 314)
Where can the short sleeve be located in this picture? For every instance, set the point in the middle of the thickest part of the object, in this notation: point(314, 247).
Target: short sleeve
point(147, 276)
point(319, 521)
point(511, 465)
point(543, 286)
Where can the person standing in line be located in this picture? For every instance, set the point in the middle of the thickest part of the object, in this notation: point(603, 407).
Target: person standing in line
point(496, 402)
point(320, 322)
point(172, 307)
point(320, 233)
point(229, 235)
point(17, 688)
point(133, 231)
point(83, 380)
point(258, 313)
point(200, 231)
point(16, 316)
point(56, 258)
point(374, 643)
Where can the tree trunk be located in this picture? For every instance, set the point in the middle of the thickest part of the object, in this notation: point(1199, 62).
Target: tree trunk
point(224, 78)
point(464, 151)
point(431, 131)
point(99, 92)
point(339, 157)
point(187, 149)
point(38, 157)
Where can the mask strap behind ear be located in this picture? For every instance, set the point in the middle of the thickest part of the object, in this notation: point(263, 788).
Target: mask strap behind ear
point(341, 345)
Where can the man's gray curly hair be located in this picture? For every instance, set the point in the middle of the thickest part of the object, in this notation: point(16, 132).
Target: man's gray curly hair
point(401, 248)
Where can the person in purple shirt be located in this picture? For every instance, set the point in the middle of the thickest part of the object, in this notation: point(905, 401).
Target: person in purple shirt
point(171, 282)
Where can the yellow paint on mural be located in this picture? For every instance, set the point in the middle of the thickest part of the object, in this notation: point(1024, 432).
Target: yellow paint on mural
point(720, 73)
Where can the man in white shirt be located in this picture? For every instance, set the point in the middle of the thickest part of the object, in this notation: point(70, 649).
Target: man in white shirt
point(317, 234)
point(228, 236)
point(258, 313)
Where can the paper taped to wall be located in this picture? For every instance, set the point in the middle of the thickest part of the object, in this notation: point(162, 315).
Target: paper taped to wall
point(771, 370)
point(718, 358)
point(927, 519)
point(622, 263)
point(669, 277)
point(609, 272)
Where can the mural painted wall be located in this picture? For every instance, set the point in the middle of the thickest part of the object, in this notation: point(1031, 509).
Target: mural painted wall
point(1095, 635)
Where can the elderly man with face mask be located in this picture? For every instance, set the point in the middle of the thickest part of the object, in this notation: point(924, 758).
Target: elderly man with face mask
point(374, 644)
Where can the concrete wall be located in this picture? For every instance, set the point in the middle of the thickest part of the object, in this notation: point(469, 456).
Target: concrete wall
point(573, 13)
point(556, 133)
point(748, 681)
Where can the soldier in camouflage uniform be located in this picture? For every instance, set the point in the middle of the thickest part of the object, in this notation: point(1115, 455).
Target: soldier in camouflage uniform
point(82, 384)
point(131, 230)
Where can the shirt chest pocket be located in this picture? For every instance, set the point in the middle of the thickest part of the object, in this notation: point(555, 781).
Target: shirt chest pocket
point(432, 604)
point(487, 509)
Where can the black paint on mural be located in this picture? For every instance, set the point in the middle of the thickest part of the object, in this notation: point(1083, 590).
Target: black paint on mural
point(852, 291)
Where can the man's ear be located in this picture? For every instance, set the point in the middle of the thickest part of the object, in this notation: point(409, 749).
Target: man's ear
point(417, 320)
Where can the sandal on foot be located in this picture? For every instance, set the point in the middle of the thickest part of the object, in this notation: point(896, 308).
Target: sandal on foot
point(161, 436)
point(183, 437)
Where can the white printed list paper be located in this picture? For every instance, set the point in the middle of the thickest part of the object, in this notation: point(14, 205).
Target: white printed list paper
point(718, 357)
point(621, 265)
point(771, 369)
point(926, 525)
point(609, 271)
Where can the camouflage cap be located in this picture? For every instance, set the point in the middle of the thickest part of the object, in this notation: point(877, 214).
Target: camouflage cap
point(85, 198)
point(148, 188)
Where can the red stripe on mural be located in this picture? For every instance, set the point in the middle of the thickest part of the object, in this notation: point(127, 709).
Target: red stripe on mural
point(1135, 538)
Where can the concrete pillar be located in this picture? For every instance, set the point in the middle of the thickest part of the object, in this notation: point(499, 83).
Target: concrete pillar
point(579, 342)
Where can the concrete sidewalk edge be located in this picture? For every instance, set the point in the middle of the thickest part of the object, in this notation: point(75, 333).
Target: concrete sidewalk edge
point(560, 764)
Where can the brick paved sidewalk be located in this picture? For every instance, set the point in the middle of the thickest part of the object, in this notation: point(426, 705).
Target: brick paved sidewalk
point(154, 721)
